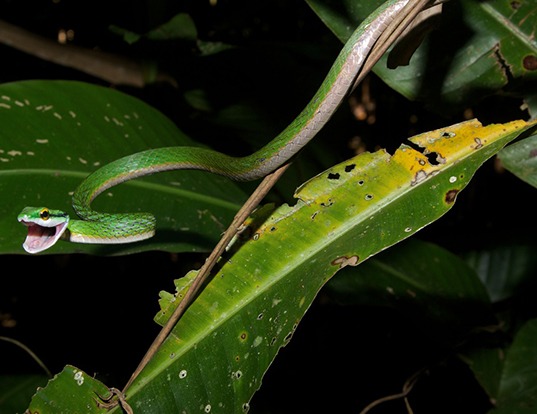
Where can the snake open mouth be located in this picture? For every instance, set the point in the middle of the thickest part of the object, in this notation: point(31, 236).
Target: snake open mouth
point(40, 238)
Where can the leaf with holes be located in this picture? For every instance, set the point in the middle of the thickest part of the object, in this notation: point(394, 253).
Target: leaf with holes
point(219, 351)
point(216, 356)
point(473, 49)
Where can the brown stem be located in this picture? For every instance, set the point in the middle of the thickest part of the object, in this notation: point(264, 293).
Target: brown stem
point(252, 202)
point(107, 66)
point(407, 388)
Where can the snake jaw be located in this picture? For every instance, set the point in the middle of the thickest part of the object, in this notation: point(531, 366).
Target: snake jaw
point(42, 233)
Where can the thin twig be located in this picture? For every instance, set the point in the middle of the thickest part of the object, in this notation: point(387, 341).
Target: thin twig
point(29, 352)
point(407, 388)
point(254, 200)
point(110, 402)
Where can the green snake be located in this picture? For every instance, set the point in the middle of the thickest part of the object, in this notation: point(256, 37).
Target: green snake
point(46, 226)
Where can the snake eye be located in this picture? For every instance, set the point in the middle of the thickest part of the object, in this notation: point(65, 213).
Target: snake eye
point(44, 214)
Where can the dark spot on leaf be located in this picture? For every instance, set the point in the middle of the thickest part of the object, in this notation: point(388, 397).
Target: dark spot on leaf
point(451, 195)
point(314, 215)
point(369, 197)
point(361, 182)
point(328, 203)
point(332, 176)
point(272, 228)
point(448, 134)
point(515, 5)
point(243, 336)
point(273, 341)
point(350, 167)
point(530, 62)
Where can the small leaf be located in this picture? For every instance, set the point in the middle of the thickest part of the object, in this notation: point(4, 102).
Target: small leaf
point(181, 27)
point(486, 364)
point(521, 159)
point(504, 270)
point(71, 391)
point(518, 387)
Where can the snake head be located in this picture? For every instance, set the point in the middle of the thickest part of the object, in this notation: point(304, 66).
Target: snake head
point(45, 227)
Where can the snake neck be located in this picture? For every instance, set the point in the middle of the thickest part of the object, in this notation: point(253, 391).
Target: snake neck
point(112, 228)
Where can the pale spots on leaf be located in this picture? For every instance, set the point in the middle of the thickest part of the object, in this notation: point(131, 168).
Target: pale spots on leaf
point(79, 377)
point(257, 341)
point(344, 261)
point(44, 108)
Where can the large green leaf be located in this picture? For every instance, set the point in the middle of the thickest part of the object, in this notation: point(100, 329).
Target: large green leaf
point(227, 339)
point(431, 286)
point(54, 133)
point(518, 385)
point(217, 354)
point(478, 48)
point(504, 270)
point(71, 391)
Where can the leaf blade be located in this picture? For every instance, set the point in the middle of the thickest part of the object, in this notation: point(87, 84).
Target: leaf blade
point(229, 336)
point(56, 132)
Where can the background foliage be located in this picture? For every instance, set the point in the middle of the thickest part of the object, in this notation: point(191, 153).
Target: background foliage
point(226, 81)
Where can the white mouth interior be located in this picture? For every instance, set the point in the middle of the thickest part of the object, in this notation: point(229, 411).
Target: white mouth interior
point(40, 238)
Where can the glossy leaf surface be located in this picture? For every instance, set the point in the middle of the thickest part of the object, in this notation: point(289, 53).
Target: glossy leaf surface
point(474, 49)
point(225, 342)
point(55, 133)
point(518, 386)
point(521, 159)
